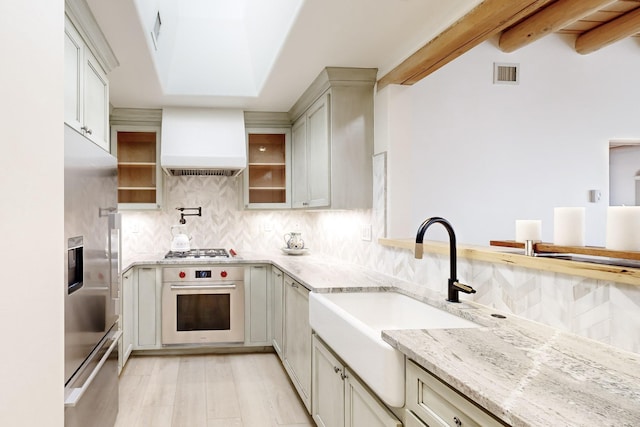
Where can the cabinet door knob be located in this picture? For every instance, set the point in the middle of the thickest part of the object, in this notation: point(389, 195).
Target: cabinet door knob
point(86, 130)
point(336, 369)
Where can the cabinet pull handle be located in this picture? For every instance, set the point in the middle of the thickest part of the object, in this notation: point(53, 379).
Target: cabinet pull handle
point(343, 375)
point(457, 421)
point(336, 369)
point(258, 266)
point(294, 285)
point(86, 130)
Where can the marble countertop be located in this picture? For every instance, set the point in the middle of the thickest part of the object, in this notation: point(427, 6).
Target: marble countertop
point(525, 373)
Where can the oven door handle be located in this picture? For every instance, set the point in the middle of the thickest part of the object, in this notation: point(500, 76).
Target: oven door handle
point(203, 287)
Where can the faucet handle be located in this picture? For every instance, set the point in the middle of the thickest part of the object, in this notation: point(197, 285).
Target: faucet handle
point(464, 288)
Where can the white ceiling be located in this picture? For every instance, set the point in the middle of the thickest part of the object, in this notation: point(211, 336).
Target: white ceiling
point(349, 33)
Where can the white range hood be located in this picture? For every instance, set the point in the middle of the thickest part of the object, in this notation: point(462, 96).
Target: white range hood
point(203, 141)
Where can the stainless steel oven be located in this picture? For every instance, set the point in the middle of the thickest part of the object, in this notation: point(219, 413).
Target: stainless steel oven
point(203, 305)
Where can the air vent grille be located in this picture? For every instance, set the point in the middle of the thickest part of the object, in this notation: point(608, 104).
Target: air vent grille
point(202, 172)
point(506, 73)
point(156, 30)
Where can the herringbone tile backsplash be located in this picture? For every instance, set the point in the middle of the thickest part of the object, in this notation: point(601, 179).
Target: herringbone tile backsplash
point(604, 311)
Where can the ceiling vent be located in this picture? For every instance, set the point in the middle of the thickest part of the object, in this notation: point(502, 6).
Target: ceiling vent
point(506, 74)
point(156, 30)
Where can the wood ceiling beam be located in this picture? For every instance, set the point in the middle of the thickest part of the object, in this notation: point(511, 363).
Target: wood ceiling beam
point(485, 20)
point(548, 20)
point(610, 32)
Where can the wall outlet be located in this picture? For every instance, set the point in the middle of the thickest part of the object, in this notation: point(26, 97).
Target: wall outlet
point(366, 232)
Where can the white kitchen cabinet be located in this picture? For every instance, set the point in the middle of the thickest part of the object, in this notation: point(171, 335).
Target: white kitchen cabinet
point(147, 305)
point(339, 399)
point(297, 338)
point(277, 309)
point(267, 178)
point(327, 397)
point(257, 306)
point(139, 173)
point(311, 180)
point(86, 93)
point(126, 317)
point(362, 408)
point(435, 404)
point(332, 141)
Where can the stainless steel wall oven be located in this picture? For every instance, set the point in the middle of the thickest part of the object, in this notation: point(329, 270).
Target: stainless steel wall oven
point(203, 305)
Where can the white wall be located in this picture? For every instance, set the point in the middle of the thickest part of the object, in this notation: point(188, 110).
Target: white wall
point(31, 214)
point(484, 155)
point(624, 170)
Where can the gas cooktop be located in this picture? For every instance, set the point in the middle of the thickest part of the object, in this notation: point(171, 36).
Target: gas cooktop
point(199, 253)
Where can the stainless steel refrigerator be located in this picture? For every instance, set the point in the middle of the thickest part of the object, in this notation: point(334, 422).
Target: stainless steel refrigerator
point(91, 288)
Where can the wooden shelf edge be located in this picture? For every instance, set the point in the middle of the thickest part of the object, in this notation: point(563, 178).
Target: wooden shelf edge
point(136, 188)
point(137, 164)
point(266, 164)
point(511, 256)
point(578, 250)
point(268, 188)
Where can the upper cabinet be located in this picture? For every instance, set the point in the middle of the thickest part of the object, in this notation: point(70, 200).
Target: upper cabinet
point(86, 88)
point(311, 159)
point(268, 174)
point(135, 141)
point(332, 141)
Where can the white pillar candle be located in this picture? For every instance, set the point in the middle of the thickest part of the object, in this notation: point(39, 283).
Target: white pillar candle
point(623, 228)
point(568, 226)
point(528, 229)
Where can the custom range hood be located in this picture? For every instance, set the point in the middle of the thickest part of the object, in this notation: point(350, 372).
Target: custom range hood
point(203, 141)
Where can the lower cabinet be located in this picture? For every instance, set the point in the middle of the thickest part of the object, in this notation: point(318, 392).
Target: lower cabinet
point(297, 338)
point(126, 318)
point(339, 399)
point(257, 293)
point(147, 305)
point(277, 309)
point(432, 403)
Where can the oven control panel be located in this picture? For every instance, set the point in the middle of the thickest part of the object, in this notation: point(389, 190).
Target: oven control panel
point(203, 273)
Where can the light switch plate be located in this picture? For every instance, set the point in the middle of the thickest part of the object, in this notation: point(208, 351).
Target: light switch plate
point(366, 232)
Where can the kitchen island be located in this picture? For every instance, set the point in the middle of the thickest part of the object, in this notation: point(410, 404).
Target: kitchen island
point(522, 372)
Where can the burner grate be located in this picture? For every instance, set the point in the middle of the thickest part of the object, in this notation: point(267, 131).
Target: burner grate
point(199, 253)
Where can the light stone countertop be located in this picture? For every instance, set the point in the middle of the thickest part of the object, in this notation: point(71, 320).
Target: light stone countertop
point(525, 373)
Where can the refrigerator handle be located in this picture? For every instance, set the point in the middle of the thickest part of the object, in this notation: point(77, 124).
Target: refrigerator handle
point(76, 394)
point(115, 247)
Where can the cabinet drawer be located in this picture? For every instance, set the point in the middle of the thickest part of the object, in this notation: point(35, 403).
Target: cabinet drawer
point(436, 404)
point(410, 420)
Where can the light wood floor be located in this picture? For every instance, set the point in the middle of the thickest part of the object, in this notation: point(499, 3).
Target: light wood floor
point(226, 390)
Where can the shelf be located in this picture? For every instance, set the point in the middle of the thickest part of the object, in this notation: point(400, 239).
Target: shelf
point(267, 164)
point(506, 255)
point(267, 188)
point(137, 164)
point(545, 248)
point(136, 188)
